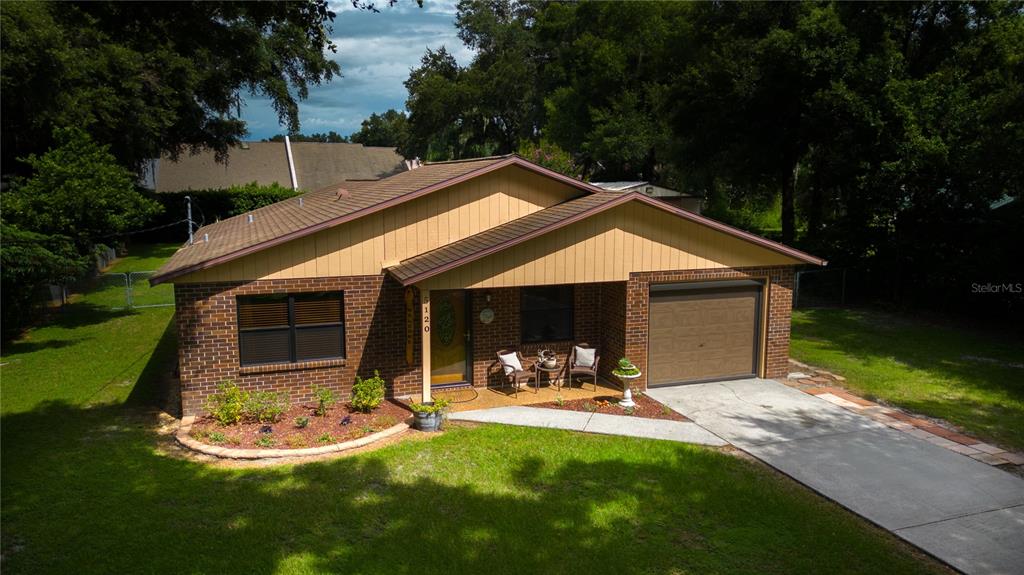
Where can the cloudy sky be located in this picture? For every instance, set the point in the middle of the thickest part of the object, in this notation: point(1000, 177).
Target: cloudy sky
point(375, 51)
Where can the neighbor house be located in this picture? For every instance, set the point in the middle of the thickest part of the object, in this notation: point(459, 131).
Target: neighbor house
point(676, 198)
point(298, 165)
point(426, 274)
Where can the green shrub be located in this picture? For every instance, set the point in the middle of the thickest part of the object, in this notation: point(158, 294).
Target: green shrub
point(324, 398)
point(325, 438)
point(266, 441)
point(217, 437)
point(266, 406)
point(438, 405)
point(227, 405)
point(368, 393)
point(301, 422)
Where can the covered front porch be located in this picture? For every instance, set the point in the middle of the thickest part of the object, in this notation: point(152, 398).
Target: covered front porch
point(463, 331)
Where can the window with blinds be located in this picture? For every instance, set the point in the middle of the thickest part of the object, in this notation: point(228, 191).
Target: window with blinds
point(289, 328)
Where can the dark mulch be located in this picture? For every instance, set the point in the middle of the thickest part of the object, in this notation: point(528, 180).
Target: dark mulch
point(286, 435)
point(645, 407)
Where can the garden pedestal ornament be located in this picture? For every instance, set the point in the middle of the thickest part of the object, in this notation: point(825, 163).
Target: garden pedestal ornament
point(626, 372)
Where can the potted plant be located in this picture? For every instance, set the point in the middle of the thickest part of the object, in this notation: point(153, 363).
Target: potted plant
point(428, 416)
point(626, 372)
point(547, 358)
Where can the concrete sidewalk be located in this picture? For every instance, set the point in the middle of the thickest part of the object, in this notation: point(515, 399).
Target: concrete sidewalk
point(965, 512)
point(682, 431)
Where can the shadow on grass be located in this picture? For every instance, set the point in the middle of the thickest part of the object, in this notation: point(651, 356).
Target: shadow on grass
point(92, 490)
point(941, 351)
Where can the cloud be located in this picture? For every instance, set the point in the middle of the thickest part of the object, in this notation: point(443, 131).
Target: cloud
point(375, 52)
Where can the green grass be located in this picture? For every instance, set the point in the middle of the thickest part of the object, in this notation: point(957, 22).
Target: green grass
point(972, 379)
point(91, 486)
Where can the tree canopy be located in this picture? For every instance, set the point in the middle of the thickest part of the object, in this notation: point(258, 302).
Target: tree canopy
point(152, 77)
point(389, 129)
point(872, 130)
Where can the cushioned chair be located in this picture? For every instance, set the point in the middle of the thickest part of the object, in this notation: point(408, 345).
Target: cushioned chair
point(516, 375)
point(583, 370)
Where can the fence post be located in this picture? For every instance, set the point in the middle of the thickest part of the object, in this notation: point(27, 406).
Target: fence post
point(128, 290)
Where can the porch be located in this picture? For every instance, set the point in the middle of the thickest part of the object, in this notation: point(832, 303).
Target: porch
point(466, 398)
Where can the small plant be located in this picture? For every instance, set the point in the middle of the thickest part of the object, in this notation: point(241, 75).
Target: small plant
point(629, 410)
point(590, 406)
point(626, 369)
point(324, 399)
point(301, 422)
point(296, 441)
point(559, 401)
point(266, 406)
point(325, 438)
point(234, 440)
point(266, 441)
point(368, 393)
point(439, 404)
point(366, 429)
point(216, 437)
point(386, 421)
point(666, 410)
point(227, 405)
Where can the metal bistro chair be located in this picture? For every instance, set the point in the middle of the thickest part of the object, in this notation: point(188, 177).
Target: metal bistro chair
point(583, 370)
point(512, 374)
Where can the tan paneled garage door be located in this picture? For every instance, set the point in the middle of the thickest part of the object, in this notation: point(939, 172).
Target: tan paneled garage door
point(703, 333)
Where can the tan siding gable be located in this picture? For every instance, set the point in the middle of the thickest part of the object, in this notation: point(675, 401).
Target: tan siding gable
point(367, 245)
point(608, 246)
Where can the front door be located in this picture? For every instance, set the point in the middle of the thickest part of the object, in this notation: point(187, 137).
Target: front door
point(449, 337)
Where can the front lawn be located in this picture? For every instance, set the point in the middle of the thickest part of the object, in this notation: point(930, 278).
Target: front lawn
point(91, 486)
point(972, 379)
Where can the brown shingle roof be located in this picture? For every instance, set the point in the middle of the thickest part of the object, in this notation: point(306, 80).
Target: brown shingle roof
point(287, 220)
point(453, 255)
point(316, 165)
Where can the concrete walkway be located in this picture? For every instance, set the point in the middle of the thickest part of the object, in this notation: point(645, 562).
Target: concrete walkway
point(682, 431)
point(965, 512)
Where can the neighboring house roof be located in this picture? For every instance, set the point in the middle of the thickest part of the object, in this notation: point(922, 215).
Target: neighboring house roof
point(290, 219)
point(442, 259)
point(316, 165)
point(631, 186)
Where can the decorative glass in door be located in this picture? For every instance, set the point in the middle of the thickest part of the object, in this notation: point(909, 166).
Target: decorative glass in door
point(449, 337)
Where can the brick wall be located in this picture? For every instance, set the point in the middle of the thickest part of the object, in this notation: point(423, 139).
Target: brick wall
point(504, 331)
point(613, 327)
point(780, 305)
point(374, 339)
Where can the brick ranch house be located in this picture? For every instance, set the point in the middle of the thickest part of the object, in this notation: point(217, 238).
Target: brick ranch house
point(424, 275)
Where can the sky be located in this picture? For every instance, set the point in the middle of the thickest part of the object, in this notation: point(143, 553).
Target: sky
point(376, 52)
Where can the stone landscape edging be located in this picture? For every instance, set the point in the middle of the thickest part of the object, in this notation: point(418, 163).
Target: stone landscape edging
point(186, 440)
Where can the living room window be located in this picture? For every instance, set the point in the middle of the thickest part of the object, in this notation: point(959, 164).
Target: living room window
point(289, 328)
point(546, 313)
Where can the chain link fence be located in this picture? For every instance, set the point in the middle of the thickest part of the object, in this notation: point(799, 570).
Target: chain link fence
point(130, 290)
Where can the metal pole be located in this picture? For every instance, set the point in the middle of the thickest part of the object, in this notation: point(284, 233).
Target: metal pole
point(188, 216)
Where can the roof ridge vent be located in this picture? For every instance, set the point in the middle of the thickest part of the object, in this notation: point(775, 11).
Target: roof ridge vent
point(250, 217)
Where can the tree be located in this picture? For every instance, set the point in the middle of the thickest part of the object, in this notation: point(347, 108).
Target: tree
point(152, 77)
point(331, 137)
point(77, 191)
point(30, 261)
point(389, 129)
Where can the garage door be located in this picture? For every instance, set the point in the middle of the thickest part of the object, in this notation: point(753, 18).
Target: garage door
point(703, 331)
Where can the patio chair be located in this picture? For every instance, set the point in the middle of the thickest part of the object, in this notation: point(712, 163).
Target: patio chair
point(578, 366)
point(512, 373)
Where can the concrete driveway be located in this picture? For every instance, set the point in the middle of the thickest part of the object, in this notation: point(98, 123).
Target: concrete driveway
point(964, 512)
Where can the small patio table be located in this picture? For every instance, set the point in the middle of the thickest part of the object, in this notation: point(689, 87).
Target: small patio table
point(550, 371)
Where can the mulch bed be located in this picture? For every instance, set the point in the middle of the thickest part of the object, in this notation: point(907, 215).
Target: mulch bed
point(285, 434)
point(645, 407)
